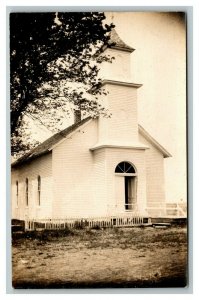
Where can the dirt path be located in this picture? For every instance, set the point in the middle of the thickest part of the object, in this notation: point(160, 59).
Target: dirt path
point(110, 258)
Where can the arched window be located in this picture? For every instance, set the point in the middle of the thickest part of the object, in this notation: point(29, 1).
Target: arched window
point(124, 167)
point(39, 190)
point(26, 191)
point(128, 171)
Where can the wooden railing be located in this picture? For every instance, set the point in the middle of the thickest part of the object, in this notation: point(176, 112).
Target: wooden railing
point(176, 209)
point(170, 210)
point(91, 222)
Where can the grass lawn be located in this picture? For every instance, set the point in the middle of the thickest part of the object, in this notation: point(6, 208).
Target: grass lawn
point(114, 257)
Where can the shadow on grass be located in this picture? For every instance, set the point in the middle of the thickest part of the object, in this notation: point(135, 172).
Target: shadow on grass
point(173, 282)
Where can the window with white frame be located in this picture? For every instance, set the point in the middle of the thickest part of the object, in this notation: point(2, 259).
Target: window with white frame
point(39, 190)
point(125, 167)
point(17, 193)
point(26, 192)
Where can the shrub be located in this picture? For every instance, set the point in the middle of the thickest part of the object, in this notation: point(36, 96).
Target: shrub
point(80, 224)
point(96, 227)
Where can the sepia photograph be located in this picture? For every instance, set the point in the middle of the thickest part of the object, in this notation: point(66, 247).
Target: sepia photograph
point(98, 138)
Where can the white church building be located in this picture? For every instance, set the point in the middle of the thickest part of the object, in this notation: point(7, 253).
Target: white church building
point(97, 167)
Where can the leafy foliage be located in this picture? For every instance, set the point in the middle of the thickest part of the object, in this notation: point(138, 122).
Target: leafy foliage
point(54, 64)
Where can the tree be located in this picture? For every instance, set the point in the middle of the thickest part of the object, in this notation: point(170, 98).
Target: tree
point(54, 60)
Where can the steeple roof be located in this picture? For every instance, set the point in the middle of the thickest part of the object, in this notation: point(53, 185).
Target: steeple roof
point(118, 43)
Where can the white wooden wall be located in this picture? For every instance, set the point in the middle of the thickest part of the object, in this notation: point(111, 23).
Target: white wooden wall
point(41, 166)
point(155, 180)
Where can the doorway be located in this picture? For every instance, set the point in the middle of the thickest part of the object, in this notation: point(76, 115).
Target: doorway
point(126, 186)
point(129, 186)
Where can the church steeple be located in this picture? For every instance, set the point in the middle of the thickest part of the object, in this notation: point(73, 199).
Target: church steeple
point(120, 68)
point(118, 43)
point(121, 98)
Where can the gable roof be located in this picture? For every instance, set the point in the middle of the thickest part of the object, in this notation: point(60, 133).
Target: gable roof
point(118, 43)
point(153, 142)
point(47, 145)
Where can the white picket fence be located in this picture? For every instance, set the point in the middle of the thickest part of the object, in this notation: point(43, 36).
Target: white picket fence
point(91, 222)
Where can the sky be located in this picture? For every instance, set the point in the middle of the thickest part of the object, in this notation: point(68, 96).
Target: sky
point(159, 63)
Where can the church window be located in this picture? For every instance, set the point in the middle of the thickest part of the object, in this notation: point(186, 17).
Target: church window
point(39, 190)
point(124, 167)
point(17, 193)
point(26, 195)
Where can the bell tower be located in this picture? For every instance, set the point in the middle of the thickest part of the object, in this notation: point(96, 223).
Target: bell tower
point(120, 68)
point(118, 140)
point(121, 129)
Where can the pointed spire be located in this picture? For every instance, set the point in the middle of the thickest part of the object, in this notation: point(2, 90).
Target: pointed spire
point(118, 43)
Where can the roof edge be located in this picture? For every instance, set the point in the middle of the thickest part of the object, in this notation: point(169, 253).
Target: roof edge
point(47, 145)
point(165, 153)
point(118, 43)
point(82, 124)
point(127, 49)
point(119, 146)
point(122, 83)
